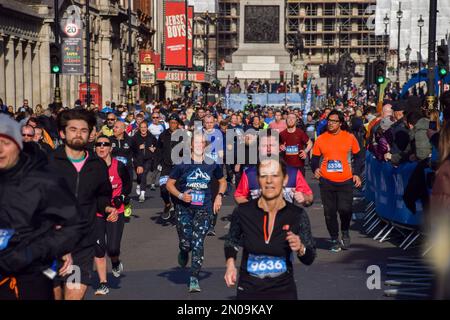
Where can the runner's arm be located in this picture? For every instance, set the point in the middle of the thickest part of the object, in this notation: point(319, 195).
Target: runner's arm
point(242, 192)
point(127, 183)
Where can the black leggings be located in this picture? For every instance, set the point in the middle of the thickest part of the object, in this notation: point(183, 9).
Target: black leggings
point(109, 236)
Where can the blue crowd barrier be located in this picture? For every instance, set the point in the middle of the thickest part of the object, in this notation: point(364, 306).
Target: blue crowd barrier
point(385, 186)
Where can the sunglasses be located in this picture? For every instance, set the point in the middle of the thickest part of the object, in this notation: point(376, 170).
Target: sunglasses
point(155, 117)
point(103, 144)
point(111, 119)
point(27, 135)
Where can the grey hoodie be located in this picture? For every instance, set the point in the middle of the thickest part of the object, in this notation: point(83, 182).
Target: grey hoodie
point(422, 143)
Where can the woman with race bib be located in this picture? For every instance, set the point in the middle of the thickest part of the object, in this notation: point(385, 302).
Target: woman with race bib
point(190, 183)
point(270, 231)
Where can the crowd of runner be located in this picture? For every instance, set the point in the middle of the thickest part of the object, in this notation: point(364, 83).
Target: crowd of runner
point(66, 179)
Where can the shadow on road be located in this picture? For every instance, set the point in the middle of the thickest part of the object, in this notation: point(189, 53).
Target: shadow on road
point(181, 275)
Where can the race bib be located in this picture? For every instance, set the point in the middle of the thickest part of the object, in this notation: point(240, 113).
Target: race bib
point(334, 166)
point(5, 236)
point(123, 160)
point(265, 266)
point(292, 150)
point(163, 180)
point(198, 198)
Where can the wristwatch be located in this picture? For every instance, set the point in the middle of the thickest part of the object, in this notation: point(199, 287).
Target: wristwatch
point(180, 196)
point(221, 194)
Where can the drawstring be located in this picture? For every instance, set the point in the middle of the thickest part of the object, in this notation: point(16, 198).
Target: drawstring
point(12, 285)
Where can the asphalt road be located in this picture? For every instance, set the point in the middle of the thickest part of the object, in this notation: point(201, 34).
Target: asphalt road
point(150, 248)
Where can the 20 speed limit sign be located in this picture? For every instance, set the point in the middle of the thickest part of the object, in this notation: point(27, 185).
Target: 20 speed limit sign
point(71, 30)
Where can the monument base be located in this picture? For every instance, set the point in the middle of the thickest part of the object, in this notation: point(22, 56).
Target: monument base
point(261, 54)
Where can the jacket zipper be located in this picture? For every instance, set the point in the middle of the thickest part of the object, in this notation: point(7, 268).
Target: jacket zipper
point(77, 185)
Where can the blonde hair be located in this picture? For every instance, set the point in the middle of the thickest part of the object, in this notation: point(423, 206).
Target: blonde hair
point(434, 116)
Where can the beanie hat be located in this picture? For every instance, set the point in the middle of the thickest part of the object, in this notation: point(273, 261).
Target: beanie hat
point(10, 129)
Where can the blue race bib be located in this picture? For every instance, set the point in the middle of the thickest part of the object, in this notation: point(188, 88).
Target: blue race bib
point(292, 150)
point(5, 236)
point(334, 166)
point(198, 198)
point(266, 266)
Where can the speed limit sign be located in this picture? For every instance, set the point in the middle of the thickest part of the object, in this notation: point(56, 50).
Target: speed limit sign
point(71, 30)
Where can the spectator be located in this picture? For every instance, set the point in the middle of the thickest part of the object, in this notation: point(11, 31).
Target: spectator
point(401, 147)
point(419, 126)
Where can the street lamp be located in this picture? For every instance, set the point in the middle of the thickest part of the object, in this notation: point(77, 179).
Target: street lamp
point(421, 24)
point(407, 55)
point(399, 17)
point(386, 21)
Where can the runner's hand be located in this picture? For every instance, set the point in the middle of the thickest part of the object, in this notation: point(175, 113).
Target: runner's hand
point(299, 197)
point(67, 266)
point(283, 147)
point(230, 276)
point(140, 170)
point(217, 204)
point(302, 154)
point(294, 241)
point(317, 174)
point(187, 197)
point(357, 181)
point(113, 215)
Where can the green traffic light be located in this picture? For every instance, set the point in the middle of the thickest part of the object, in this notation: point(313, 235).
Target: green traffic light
point(443, 72)
point(380, 80)
point(55, 69)
point(130, 82)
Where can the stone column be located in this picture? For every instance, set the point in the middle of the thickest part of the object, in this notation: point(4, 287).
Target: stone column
point(106, 61)
point(36, 66)
point(28, 75)
point(44, 56)
point(19, 73)
point(10, 75)
point(2, 69)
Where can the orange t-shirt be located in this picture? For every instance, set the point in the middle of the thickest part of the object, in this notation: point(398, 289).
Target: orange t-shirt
point(336, 151)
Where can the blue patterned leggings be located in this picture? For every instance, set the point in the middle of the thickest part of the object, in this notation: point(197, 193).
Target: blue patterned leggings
point(192, 227)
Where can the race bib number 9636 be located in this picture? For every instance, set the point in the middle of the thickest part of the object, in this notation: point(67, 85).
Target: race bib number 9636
point(266, 266)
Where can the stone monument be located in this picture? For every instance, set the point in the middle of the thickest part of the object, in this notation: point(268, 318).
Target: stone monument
point(261, 54)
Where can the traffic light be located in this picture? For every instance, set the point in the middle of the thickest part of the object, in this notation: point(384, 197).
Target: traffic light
point(130, 74)
point(55, 58)
point(296, 79)
point(379, 72)
point(442, 60)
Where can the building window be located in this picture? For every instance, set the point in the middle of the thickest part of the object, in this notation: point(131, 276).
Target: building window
point(293, 25)
point(311, 25)
point(329, 9)
point(293, 9)
point(225, 9)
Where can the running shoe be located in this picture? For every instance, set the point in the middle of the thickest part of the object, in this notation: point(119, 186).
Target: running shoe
point(345, 240)
point(183, 258)
point(167, 214)
point(194, 285)
point(117, 270)
point(142, 197)
point(335, 246)
point(153, 187)
point(102, 290)
point(138, 190)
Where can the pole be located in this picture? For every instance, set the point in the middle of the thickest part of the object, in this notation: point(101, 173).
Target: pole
point(187, 45)
point(432, 54)
point(420, 55)
point(385, 47)
point(398, 46)
point(57, 97)
point(328, 63)
point(130, 91)
point(88, 56)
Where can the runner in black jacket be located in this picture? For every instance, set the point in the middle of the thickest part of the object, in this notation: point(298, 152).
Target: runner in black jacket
point(144, 145)
point(88, 179)
point(32, 202)
point(269, 229)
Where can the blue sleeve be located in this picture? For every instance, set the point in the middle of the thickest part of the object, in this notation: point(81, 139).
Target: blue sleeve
point(218, 172)
point(176, 172)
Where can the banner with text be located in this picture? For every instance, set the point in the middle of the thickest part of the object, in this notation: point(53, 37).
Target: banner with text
point(175, 34)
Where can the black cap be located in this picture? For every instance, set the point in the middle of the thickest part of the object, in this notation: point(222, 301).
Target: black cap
point(400, 105)
point(175, 117)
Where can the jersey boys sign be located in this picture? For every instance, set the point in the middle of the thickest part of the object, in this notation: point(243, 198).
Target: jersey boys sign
point(175, 34)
